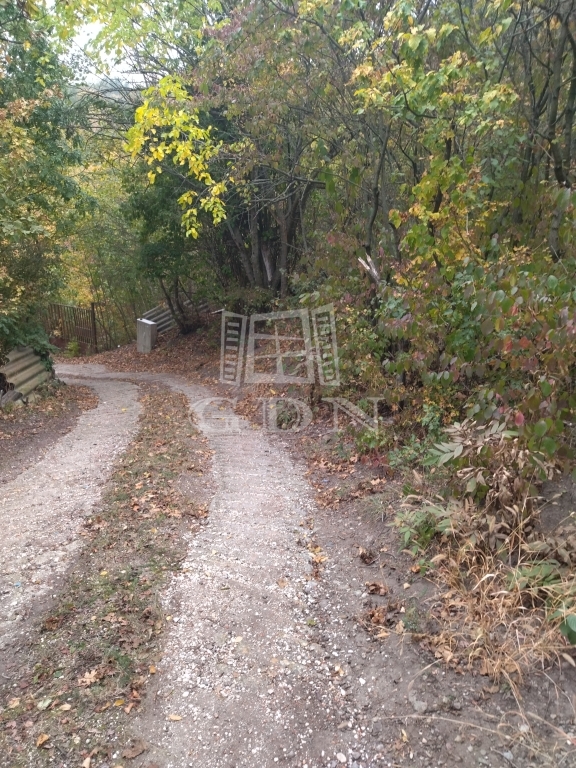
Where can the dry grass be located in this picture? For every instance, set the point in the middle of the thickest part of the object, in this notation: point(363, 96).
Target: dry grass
point(500, 607)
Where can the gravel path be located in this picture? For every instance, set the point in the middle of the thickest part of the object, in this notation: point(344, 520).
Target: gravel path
point(41, 508)
point(242, 681)
point(264, 665)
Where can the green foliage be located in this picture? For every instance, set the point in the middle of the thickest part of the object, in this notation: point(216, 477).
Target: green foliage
point(72, 349)
point(568, 628)
point(408, 140)
point(411, 453)
point(419, 525)
point(39, 200)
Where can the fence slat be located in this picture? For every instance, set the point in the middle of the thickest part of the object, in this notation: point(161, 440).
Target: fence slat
point(69, 323)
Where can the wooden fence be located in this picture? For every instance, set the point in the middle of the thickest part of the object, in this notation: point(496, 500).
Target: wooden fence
point(66, 323)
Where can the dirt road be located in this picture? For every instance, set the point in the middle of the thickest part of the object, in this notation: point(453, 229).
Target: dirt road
point(265, 663)
point(41, 508)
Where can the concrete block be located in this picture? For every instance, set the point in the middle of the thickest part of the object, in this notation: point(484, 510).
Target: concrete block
point(146, 335)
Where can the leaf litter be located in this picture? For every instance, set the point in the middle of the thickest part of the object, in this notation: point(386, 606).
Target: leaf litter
point(101, 640)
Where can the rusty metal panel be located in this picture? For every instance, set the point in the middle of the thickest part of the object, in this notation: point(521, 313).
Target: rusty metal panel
point(68, 323)
point(24, 371)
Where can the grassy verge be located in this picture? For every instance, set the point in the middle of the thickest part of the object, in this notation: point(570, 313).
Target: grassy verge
point(88, 668)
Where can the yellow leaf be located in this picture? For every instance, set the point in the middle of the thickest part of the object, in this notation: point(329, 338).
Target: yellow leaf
point(118, 702)
point(42, 739)
point(152, 669)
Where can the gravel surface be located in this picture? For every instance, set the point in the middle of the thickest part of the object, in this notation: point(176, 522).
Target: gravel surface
point(41, 508)
point(264, 664)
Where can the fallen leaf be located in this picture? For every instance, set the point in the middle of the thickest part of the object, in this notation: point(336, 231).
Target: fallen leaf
point(366, 555)
point(152, 669)
point(400, 628)
point(174, 717)
point(42, 739)
point(66, 707)
point(569, 659)
point(404, 736)
point(407, 585)
point(128, 709)
point(88, 678)
point(13, 703)
point(131, 752)
point(44, 704)
point(376, 588)
point(118, 702)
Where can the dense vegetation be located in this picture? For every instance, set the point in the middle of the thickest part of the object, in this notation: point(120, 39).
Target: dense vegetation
point(412, 163)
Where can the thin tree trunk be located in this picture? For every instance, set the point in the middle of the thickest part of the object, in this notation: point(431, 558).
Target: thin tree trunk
point(237, 237)
point(255, 244)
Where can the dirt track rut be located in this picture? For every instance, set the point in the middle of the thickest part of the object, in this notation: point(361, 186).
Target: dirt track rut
point(264, 664)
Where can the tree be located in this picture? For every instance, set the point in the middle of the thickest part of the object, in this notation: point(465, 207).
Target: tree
point(38, 147)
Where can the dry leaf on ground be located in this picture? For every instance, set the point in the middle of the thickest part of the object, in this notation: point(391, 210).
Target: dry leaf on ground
point(376, 588)
point(88, 678)
point(131, 752)
point(366, 555)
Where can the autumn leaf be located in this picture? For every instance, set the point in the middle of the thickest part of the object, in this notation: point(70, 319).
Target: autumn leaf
point(376, 588)
point(42, 739)
point(88, 679)
point(136, 749)
point(366, 555)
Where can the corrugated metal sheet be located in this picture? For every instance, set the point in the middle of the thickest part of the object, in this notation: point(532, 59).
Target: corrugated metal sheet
point(164, 320)
point(24, 371)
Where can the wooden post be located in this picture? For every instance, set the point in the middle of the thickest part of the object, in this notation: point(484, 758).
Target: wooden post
point(94, 328)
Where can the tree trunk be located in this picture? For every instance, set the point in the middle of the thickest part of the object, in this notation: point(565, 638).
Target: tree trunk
point(255, 243)
point(244, 258)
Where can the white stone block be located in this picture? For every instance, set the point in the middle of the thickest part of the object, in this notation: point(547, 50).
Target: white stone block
point(146, 335)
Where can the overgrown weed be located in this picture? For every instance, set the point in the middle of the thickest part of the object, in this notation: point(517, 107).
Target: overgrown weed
point(508, 604)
